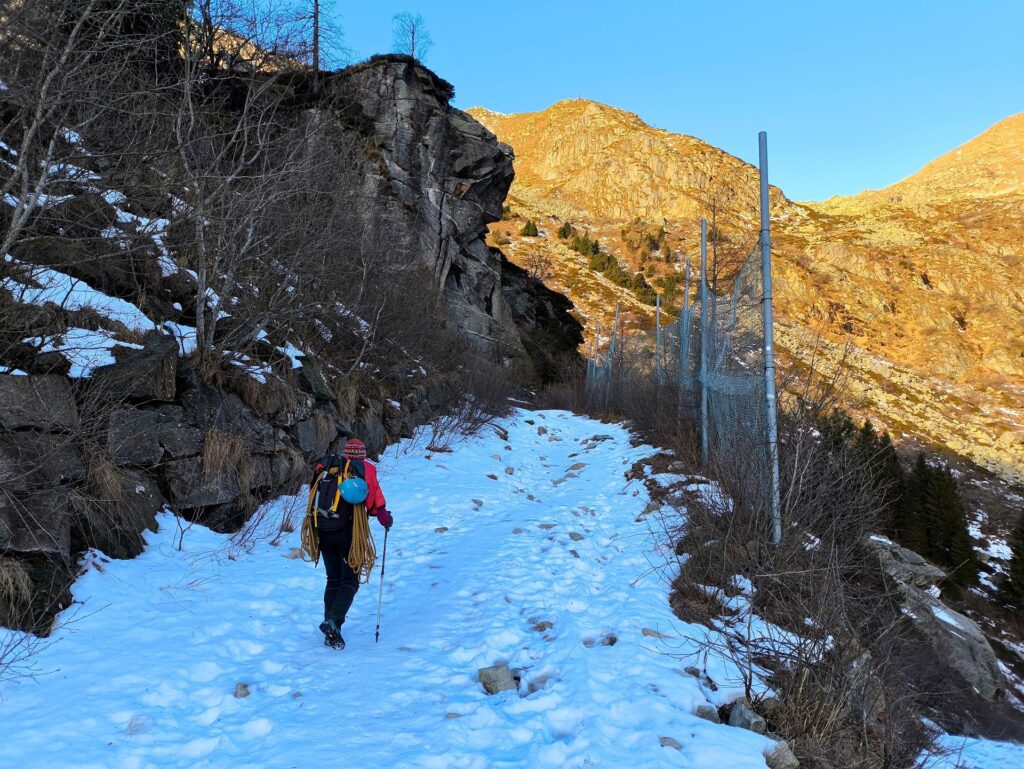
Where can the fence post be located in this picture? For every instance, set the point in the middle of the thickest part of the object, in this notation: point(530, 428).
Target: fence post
point(613, 352)
point(657, 340)
point(703, 377)
point(769, 339)
point(684, 334)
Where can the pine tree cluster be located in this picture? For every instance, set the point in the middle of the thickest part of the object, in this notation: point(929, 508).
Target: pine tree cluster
point(529, 229)
point(924, 509)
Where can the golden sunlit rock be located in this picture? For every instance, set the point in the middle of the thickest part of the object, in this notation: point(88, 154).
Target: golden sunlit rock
point(917, 285)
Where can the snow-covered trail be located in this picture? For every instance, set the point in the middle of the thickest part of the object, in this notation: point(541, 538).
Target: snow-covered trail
point(545, 567)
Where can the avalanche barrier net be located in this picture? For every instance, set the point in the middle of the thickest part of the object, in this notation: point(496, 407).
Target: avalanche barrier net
point(715, 363)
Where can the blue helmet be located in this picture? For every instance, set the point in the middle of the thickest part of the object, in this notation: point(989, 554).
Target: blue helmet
point(354, 491)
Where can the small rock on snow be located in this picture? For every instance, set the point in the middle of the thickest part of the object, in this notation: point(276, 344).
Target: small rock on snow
point(782, 757)
point(708, 713)
point(654, 634)
point(743, 717)
point(497, 678)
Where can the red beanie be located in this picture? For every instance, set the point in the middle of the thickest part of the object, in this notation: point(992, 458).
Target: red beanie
point(354, 449)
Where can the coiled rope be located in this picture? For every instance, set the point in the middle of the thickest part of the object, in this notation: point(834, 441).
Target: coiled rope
point(310, 534)
point(363, 553)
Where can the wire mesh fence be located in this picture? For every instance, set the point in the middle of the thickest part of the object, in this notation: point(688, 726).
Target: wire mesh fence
point(706, 366)
point(715, 364)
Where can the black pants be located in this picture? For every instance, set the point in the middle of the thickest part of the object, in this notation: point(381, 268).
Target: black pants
point(342, 582)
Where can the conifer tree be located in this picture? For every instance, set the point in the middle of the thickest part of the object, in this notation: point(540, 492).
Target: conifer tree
point(890, 475)
point(529, 229)
point(911, 528)
point(1012, 591)
point(963, 559)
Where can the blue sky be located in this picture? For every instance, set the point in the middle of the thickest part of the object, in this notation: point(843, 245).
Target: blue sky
point(854, 95)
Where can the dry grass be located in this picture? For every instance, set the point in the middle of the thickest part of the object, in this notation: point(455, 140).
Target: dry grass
point(104, 482)
point(15, 593)
point(346, 397)
point(226, 455)
point(323, 427)
point(105, 515)
point(275, 395)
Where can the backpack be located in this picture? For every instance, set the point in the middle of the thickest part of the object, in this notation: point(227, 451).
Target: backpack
point(328, 485)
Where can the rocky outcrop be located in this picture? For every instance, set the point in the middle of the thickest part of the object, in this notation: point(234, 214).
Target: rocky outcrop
point(955, 639)
point(550, 334)
point(437, 179)
point(142, 375)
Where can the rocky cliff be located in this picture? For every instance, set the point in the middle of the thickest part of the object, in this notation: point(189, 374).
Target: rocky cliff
point(435, 180)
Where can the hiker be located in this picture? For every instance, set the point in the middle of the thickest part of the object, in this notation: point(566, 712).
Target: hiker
point(343, 495)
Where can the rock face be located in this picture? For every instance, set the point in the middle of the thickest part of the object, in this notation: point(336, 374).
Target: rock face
point(439, 179)
point(144, 375)
point(956, 639)
point(40, 402)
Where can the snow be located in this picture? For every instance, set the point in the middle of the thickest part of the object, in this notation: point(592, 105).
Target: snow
point(944, 615)
point(976, 753)
point(187, 336)
point(74, 294)
point(293, 353)
point(84, 349)
point(145, 664)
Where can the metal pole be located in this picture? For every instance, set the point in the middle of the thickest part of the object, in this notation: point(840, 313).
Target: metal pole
point(611, 357)
point(684, 328)
point(704, 442)
point(657, 339)
point(380, 593)
point(769, 339)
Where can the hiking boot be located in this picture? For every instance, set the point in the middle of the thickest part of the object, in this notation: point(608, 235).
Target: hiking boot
point(332, 635)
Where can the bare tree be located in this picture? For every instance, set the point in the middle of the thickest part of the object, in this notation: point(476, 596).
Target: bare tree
point(53, 59)
point(411, 36)
point(540, 264)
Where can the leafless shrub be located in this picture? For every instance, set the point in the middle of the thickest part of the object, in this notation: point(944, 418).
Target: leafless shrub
point(475, 398)
point(539, 264)
point(261, 526)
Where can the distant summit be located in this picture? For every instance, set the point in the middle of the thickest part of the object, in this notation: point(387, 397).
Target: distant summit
point(921, 278)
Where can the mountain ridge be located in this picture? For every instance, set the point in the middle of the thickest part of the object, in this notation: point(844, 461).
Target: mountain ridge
point(917, 279)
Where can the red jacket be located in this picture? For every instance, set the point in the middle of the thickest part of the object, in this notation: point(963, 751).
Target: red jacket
point(375, 497)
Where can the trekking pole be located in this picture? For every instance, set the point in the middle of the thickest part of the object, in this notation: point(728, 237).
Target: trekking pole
point(380, 593)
